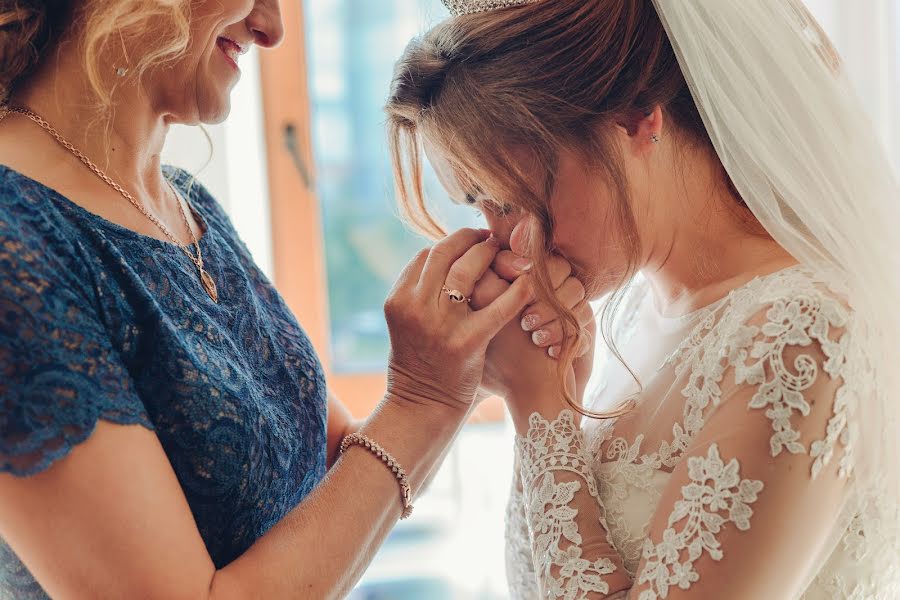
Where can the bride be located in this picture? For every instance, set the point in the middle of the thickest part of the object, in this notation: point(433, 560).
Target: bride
point(703, 164)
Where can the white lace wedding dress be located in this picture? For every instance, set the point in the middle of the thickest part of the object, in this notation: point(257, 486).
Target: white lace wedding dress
point(733, 476)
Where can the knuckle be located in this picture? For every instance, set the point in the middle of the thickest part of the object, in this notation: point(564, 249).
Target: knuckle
point(461, 237)
point(578, 292)
point(460, 275)
point(585, 313)
point(560, 267)
point(390, 306)
point(438, 251)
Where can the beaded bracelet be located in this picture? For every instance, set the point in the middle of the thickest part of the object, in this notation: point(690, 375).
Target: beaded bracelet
point(405, 491)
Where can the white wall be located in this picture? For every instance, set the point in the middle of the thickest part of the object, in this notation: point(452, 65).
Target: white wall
point(865, 34)
point(234, 168)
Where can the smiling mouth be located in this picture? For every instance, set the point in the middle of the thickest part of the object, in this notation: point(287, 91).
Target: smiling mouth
point(231, 49)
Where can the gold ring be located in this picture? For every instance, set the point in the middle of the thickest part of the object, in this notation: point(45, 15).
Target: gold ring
point(456, 296)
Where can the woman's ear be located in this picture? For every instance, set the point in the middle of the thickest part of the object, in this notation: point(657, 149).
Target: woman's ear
point(644, 129)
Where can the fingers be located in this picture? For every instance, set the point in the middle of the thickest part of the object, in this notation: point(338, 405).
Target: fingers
point(570, 294)
point(409, 277)
point(509, 266)
point(471, 267)
point(551, 334)
point(488, 289)
point(491, 319)
point(446, 252)
point(520, 238)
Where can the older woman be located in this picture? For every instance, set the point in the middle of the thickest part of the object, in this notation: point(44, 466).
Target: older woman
point(165, 430)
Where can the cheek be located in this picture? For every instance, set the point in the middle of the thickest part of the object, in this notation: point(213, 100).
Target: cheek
point(586, 232)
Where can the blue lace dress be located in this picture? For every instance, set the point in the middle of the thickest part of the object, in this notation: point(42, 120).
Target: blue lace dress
point(100, 322)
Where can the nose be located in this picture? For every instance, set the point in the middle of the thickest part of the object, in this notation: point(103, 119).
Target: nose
point(265, 23)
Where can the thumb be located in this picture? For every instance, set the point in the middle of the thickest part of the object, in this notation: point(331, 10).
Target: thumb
point(509, 305)
point(522, 236)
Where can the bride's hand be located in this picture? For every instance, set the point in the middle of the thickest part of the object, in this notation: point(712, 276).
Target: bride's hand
point(438, 346)
point(521, 358)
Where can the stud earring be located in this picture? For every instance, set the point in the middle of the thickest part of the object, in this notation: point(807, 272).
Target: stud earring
point(654, 138)
point(123, 71)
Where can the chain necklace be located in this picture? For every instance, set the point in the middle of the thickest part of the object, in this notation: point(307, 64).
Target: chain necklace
point(205, 278)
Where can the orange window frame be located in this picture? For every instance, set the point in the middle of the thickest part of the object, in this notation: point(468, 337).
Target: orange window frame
point(297, 241)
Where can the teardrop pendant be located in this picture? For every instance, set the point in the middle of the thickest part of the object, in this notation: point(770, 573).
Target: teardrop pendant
point(209, 285)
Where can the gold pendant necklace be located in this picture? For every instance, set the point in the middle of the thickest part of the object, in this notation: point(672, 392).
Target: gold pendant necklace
point(206, 280)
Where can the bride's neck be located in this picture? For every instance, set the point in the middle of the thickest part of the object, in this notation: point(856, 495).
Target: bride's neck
point(704, 245)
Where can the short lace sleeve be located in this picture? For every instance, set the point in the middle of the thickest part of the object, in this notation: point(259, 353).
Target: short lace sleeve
point(59, 372)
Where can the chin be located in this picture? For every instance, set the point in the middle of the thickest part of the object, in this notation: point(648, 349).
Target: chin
point(212, 113)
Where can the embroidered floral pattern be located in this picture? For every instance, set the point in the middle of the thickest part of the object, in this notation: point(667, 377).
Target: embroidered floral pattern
point(755, 352)
point(716, 496)
point(782, 338)
point(547, 450)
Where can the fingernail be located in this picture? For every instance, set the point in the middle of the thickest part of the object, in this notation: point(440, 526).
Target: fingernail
point(553, 351)
point(522, 264)
point(493, 241)
point(529, 322)
point(540, 337)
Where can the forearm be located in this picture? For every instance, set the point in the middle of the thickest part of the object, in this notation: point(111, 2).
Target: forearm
point(324, 545)
point(569, 536)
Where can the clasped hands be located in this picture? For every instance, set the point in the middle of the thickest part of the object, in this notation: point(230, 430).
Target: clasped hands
point(502, 340)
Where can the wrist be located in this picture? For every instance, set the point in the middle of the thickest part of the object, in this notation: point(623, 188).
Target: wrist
point(423, 413)
point(416, 389)
point(547, 403)
point(414, 433)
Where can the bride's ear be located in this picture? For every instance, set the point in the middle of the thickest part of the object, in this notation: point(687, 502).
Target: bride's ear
point(643, 130)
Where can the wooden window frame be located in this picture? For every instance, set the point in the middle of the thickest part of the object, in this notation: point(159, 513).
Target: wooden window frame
point(298, 250)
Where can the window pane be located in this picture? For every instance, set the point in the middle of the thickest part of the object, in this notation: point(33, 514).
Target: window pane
point(352, 47)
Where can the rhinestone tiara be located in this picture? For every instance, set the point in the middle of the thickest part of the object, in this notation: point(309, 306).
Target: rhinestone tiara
point(468, 7)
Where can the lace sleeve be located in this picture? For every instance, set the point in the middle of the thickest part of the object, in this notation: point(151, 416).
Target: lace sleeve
point(520, 574)
point(755, 505)
point(59, 373)
point(570, 553)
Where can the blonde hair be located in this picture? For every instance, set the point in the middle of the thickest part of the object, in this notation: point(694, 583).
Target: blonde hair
point(30, 29)
point(538, 80)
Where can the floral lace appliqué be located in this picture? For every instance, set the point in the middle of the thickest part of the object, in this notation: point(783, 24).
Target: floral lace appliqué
point(716, 496)
point(550, 449)
point(758, 356)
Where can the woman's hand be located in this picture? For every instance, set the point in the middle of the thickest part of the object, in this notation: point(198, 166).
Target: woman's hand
point(520, 363)
point(438, 346)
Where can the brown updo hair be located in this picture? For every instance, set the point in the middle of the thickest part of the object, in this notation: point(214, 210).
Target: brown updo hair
point(30, 29)
point(540, 78)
